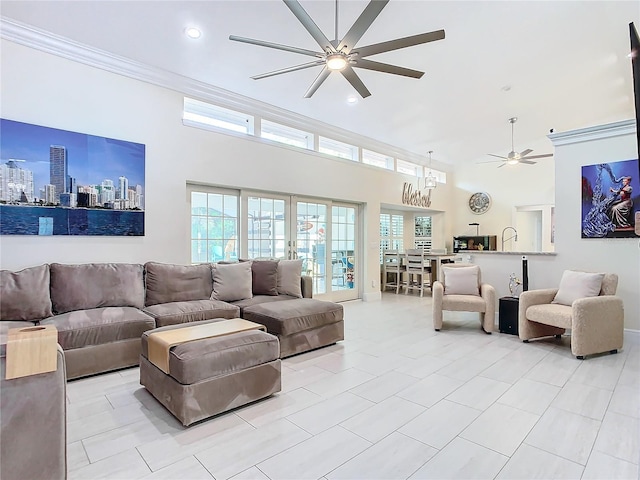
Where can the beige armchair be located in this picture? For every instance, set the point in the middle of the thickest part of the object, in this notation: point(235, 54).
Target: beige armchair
point(456, 293)
point(596, 323)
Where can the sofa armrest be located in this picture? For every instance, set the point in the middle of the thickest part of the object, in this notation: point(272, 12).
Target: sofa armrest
point(597, 325)
point(306, 285)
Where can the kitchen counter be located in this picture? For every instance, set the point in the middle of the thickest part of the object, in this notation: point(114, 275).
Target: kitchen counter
point(493, 252)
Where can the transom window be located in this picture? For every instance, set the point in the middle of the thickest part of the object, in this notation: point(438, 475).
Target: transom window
point(201, 114)
point(287, 135)
point(377, 159)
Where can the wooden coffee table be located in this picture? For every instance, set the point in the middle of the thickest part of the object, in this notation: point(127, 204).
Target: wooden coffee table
point(161, 342)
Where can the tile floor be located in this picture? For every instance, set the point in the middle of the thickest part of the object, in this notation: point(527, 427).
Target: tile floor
point(394, 400)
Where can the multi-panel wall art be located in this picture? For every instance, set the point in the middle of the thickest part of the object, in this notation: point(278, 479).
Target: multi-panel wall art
point(611, 200)
point(56, 182)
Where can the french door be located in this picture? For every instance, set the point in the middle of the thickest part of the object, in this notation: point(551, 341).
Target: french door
point(320, 232)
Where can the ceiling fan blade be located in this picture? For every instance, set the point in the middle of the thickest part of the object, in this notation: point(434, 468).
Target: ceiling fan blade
point(386, 68)
point(526, 152)
point(527, 162)
point(489, 161)
point(278, 46)
point(500, 166)
point(317, 82)
point(364, 21)
point(355, 81)
point(399, 43)
point(289, 69)
point(304, 18)
point(499, 156)
point(540, 156)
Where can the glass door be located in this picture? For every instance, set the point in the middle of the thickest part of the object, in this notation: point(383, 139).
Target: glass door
point(267, 232)
point(310, 244)
point(344, 254)
point(320, 232)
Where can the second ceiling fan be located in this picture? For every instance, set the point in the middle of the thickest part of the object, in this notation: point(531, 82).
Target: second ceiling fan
point(513, 157)
point(343, 55)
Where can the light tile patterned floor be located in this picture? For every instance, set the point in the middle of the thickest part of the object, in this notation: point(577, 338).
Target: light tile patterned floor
point(394, 400)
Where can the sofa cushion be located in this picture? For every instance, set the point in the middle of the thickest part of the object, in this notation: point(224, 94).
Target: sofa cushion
point(258, 299)
point(461, 280)
point(24, 295)
point(264, 274)
point(95, 285)
point(289, 274)
point(550, 314)
point(177, 283)
point(231, 281)
point(196, 310)
point(192, 362)
point(99, 325)
point(293, 316)
point(575, 285)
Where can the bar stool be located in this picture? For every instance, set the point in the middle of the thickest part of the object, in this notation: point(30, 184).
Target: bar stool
point(392, 265)
point(415, 263)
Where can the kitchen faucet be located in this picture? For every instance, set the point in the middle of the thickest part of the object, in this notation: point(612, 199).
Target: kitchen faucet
point(515, 236)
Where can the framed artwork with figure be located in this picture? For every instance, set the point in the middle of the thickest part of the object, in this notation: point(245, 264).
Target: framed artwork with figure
point(611, 200)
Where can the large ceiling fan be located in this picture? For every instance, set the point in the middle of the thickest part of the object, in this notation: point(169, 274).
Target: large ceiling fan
point(343, 55)
point(513, 157)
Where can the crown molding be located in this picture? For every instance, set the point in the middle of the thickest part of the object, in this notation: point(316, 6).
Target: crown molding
point(608, 130)
point(38, 39)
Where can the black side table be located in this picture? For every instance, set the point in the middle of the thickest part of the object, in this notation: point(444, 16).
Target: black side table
point(508, 315)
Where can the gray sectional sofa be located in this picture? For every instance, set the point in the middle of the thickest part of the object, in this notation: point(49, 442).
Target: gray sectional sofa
point(102, 310)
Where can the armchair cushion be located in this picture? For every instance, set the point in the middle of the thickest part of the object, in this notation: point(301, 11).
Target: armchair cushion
point(574, 285)
point(550, 314)
point(461, 281)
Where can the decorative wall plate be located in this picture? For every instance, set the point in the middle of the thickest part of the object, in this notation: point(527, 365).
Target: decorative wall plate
point(479, 202)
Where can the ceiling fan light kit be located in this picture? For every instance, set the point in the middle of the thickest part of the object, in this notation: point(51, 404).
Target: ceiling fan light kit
point(343, 55)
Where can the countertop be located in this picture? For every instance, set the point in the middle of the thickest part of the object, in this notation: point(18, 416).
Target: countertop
point(493, 252)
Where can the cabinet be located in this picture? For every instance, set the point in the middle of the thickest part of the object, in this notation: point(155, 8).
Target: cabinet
point(508, 315)
point(488, 242)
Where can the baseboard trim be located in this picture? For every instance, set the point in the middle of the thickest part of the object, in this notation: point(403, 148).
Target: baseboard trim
point(371, 296)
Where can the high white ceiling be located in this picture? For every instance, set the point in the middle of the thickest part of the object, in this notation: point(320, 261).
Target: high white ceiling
point(553, 64)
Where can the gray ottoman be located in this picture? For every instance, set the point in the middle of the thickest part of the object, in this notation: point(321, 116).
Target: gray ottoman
point(301, 324)
point(213, 375)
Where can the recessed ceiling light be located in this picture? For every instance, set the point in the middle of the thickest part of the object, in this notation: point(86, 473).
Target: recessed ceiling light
point(352, 100)
point(192, 32)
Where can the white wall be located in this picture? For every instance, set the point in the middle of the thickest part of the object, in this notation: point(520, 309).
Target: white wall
point(607, 143)
point(508, 186)
point(616, 255)
point(44, 89)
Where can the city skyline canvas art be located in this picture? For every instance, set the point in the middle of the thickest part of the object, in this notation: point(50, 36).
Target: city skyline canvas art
point(611, 200)
point(57, 182)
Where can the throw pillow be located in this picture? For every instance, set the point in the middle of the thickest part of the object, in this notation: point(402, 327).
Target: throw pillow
point(24, 295)
point(265, 277)
point(289, 275)
point(461, 280)
point(575, 285)
point(231, 282)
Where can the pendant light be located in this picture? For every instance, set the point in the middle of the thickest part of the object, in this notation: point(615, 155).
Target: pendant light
point(430, 182)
